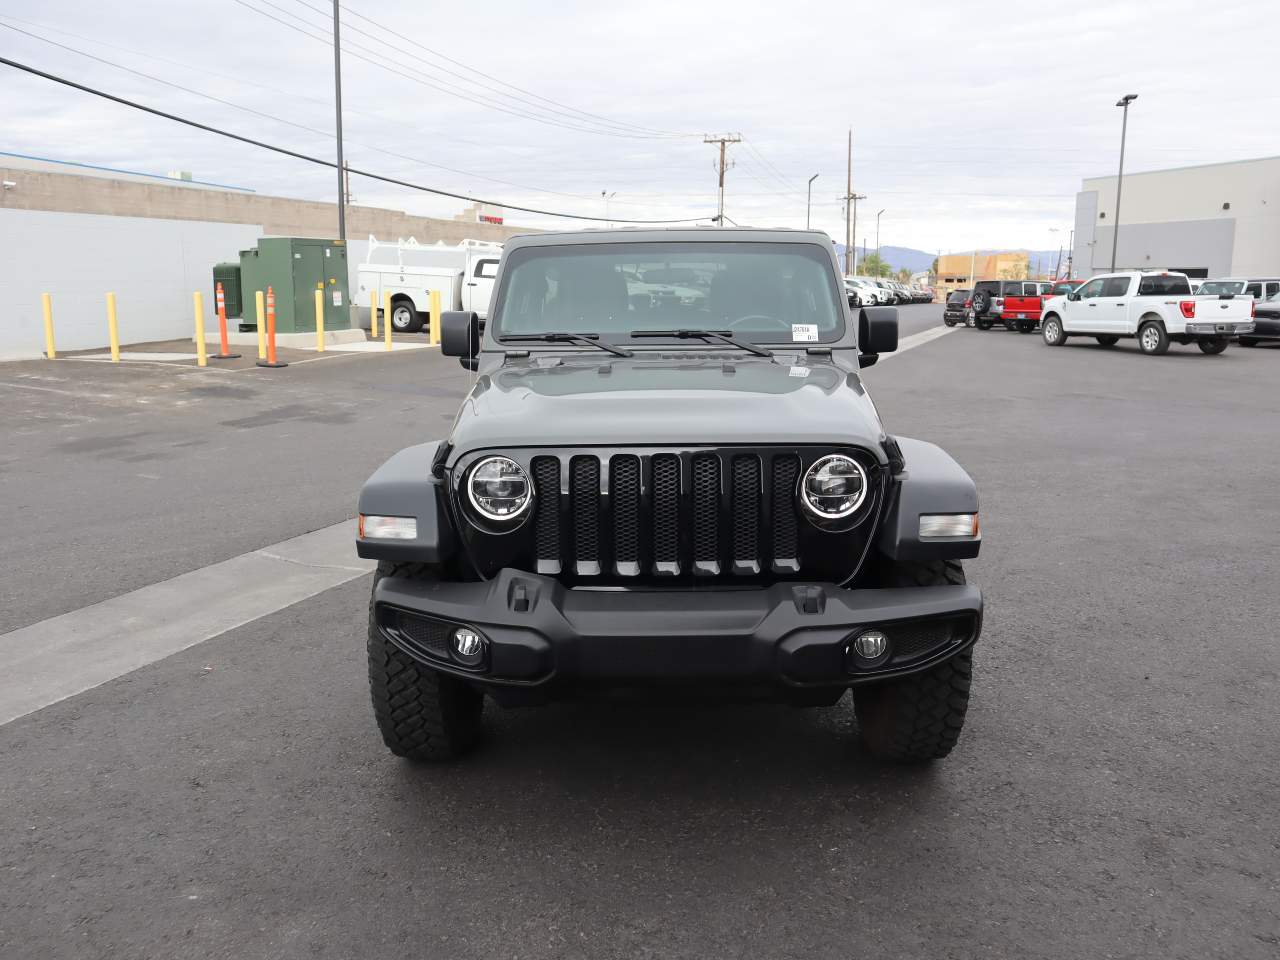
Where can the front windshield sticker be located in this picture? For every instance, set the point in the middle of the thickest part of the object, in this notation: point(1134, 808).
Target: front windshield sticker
point(804, 333)
point(798, 372)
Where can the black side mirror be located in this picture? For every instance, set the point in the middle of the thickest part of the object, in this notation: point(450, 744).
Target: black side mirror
point(459, 333)
point(1073, 295)
point(877, 330)
point(471, 363)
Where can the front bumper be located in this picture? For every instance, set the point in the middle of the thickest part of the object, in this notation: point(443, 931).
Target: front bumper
point(790, 634)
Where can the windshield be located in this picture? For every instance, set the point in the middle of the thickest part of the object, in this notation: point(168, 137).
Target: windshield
point(1221, 286)
point(770, 292)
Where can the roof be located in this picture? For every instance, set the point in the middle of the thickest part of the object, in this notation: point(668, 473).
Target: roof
point(670, 235)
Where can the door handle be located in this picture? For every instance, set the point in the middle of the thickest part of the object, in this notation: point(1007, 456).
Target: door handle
point(470, 284)
point(1093, 304)
point(1119, 304)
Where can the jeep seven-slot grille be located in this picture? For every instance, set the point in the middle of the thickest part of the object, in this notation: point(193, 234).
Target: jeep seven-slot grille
point(664, 514)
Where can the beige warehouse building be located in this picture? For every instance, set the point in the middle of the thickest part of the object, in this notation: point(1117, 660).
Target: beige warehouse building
point(959, 270)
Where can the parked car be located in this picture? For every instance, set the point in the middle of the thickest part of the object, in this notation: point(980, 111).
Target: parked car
point(891, 292)
point(1266, 322)
point(988, 301)
point(462, 275)
point(1156, 308)
point(1258, 288)
point(633, 500)
point(1021, 311)
point(871, 293)
point(953, 311)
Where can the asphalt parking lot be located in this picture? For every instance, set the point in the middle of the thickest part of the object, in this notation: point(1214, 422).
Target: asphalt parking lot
point(1113, 795)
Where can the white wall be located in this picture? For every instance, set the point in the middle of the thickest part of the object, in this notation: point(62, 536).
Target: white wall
point(152, 266)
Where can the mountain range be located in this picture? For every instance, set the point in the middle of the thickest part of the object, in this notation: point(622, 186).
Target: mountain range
point(917, 261)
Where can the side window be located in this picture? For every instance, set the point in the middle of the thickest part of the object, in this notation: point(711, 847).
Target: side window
point(1254, 290)
point(1046, 289)
point(1091, 289)
point(1273, 289)
point(1115, 287)
point(486, 269)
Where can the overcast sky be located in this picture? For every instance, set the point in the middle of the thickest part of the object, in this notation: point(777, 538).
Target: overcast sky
point(969, 129)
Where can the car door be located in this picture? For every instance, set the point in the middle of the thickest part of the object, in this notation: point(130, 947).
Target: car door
point(1113, 305)
point(1081, 315)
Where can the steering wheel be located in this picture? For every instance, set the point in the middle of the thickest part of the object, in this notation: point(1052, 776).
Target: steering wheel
point(759, 316)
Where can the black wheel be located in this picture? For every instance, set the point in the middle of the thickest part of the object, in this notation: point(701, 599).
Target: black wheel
point(1009, 325)
point(1212, 345)
point(982, 324)
point(1248, 342)
point(981, 303)
point(918, 718)
point(405, 319)
point(1107, 339)
point(948, 321)
point(1152, 338)
point(422, 714)
point(1052, 331)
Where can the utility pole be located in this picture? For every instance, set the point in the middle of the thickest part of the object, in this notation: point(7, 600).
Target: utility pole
point(878, 212)
point(856, 197)
point(1071, 251)
point(809, 201)
point(721, 166)
point(1124, 101)
point(337, 104)
point(973, 265)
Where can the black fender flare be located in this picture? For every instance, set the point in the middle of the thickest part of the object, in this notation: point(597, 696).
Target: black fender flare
point(406, 486)
point(931, 482)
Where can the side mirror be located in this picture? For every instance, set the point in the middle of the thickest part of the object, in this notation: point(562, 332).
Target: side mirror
point(471, 363)
point(459, 333)
point(1073, 295)
point(877, 330)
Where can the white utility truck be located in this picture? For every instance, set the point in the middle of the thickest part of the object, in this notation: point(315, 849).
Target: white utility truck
point(409, 271)
point(1156, 307)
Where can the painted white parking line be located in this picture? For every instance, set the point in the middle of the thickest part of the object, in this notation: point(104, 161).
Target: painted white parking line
point(57, 658)
point(918, 339)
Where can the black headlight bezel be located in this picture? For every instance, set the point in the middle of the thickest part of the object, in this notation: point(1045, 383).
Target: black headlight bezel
point(846, 518)
point(491, 521)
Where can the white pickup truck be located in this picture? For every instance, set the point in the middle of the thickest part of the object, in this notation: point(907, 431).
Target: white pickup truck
point(1156, 307)
point(463, 276)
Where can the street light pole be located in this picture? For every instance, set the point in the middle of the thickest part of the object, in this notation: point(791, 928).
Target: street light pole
point(337, 103)
point(606, 197)
point(1124, 101)
point(809, 201)
point(878, 260)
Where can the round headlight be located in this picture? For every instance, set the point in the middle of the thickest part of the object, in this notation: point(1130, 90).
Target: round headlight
point(833, 487)
point(498, 489)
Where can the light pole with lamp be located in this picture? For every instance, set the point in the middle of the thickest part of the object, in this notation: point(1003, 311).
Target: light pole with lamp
point(1124, 101)
point(878, 260)
point(809, 201)
point(606, 197)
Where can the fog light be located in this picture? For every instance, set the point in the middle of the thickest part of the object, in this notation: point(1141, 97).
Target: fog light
point(870, 644)
point(947, 525)
point(468, 646)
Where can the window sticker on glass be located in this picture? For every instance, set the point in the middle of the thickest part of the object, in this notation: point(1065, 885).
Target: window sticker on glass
point(804, 333)
point(798, 372)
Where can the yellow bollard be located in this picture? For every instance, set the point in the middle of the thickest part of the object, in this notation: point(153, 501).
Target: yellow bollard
point(262, 326)
point(435, 317)
point(113, 330)
point(386, 319)
point(49, 351)
point(320, 321)
point(373, 314)
point(202, 357)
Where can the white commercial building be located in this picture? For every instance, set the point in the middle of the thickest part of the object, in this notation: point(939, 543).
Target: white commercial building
point(1217, 220)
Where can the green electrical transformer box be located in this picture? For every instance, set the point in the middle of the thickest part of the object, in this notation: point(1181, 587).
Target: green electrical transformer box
point(294, 268)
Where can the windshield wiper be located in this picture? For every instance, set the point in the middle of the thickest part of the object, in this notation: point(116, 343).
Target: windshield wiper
point(721, 335)
point(589, 339)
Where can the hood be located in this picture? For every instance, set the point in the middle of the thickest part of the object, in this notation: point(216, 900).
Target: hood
point(667, 400)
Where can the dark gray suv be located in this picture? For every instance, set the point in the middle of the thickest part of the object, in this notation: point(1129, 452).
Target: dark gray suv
point(676, 486)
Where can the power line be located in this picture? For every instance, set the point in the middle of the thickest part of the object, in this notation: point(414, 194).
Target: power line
point(373, 56)
point(316, 160)
point(525, 95)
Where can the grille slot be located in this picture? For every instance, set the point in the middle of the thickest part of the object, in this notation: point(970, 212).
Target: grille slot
point(666, 513)
point(746, 515)
point(785, 540)
point(546, 483)
point(912, 640)
point(624, 492)
point(706, 514)
point(584, 490)
point(424, 636)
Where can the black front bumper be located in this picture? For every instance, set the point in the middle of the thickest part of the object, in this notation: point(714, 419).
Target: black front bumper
point(793, 635)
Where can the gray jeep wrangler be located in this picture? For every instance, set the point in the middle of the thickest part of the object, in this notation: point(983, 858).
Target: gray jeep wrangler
point(669, 474)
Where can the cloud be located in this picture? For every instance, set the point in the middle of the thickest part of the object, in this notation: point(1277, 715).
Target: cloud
point(969, 129)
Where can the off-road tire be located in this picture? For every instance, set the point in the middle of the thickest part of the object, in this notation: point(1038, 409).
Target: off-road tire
point(948, 321)
point(982, 324)
point(422, 714)
point(1052, 332)
point(918, 718)
point(1107, 339)
point(1248, 342)
point(1152, 338)
point(981, 303)
point(405, 319)
point(1213, 345)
